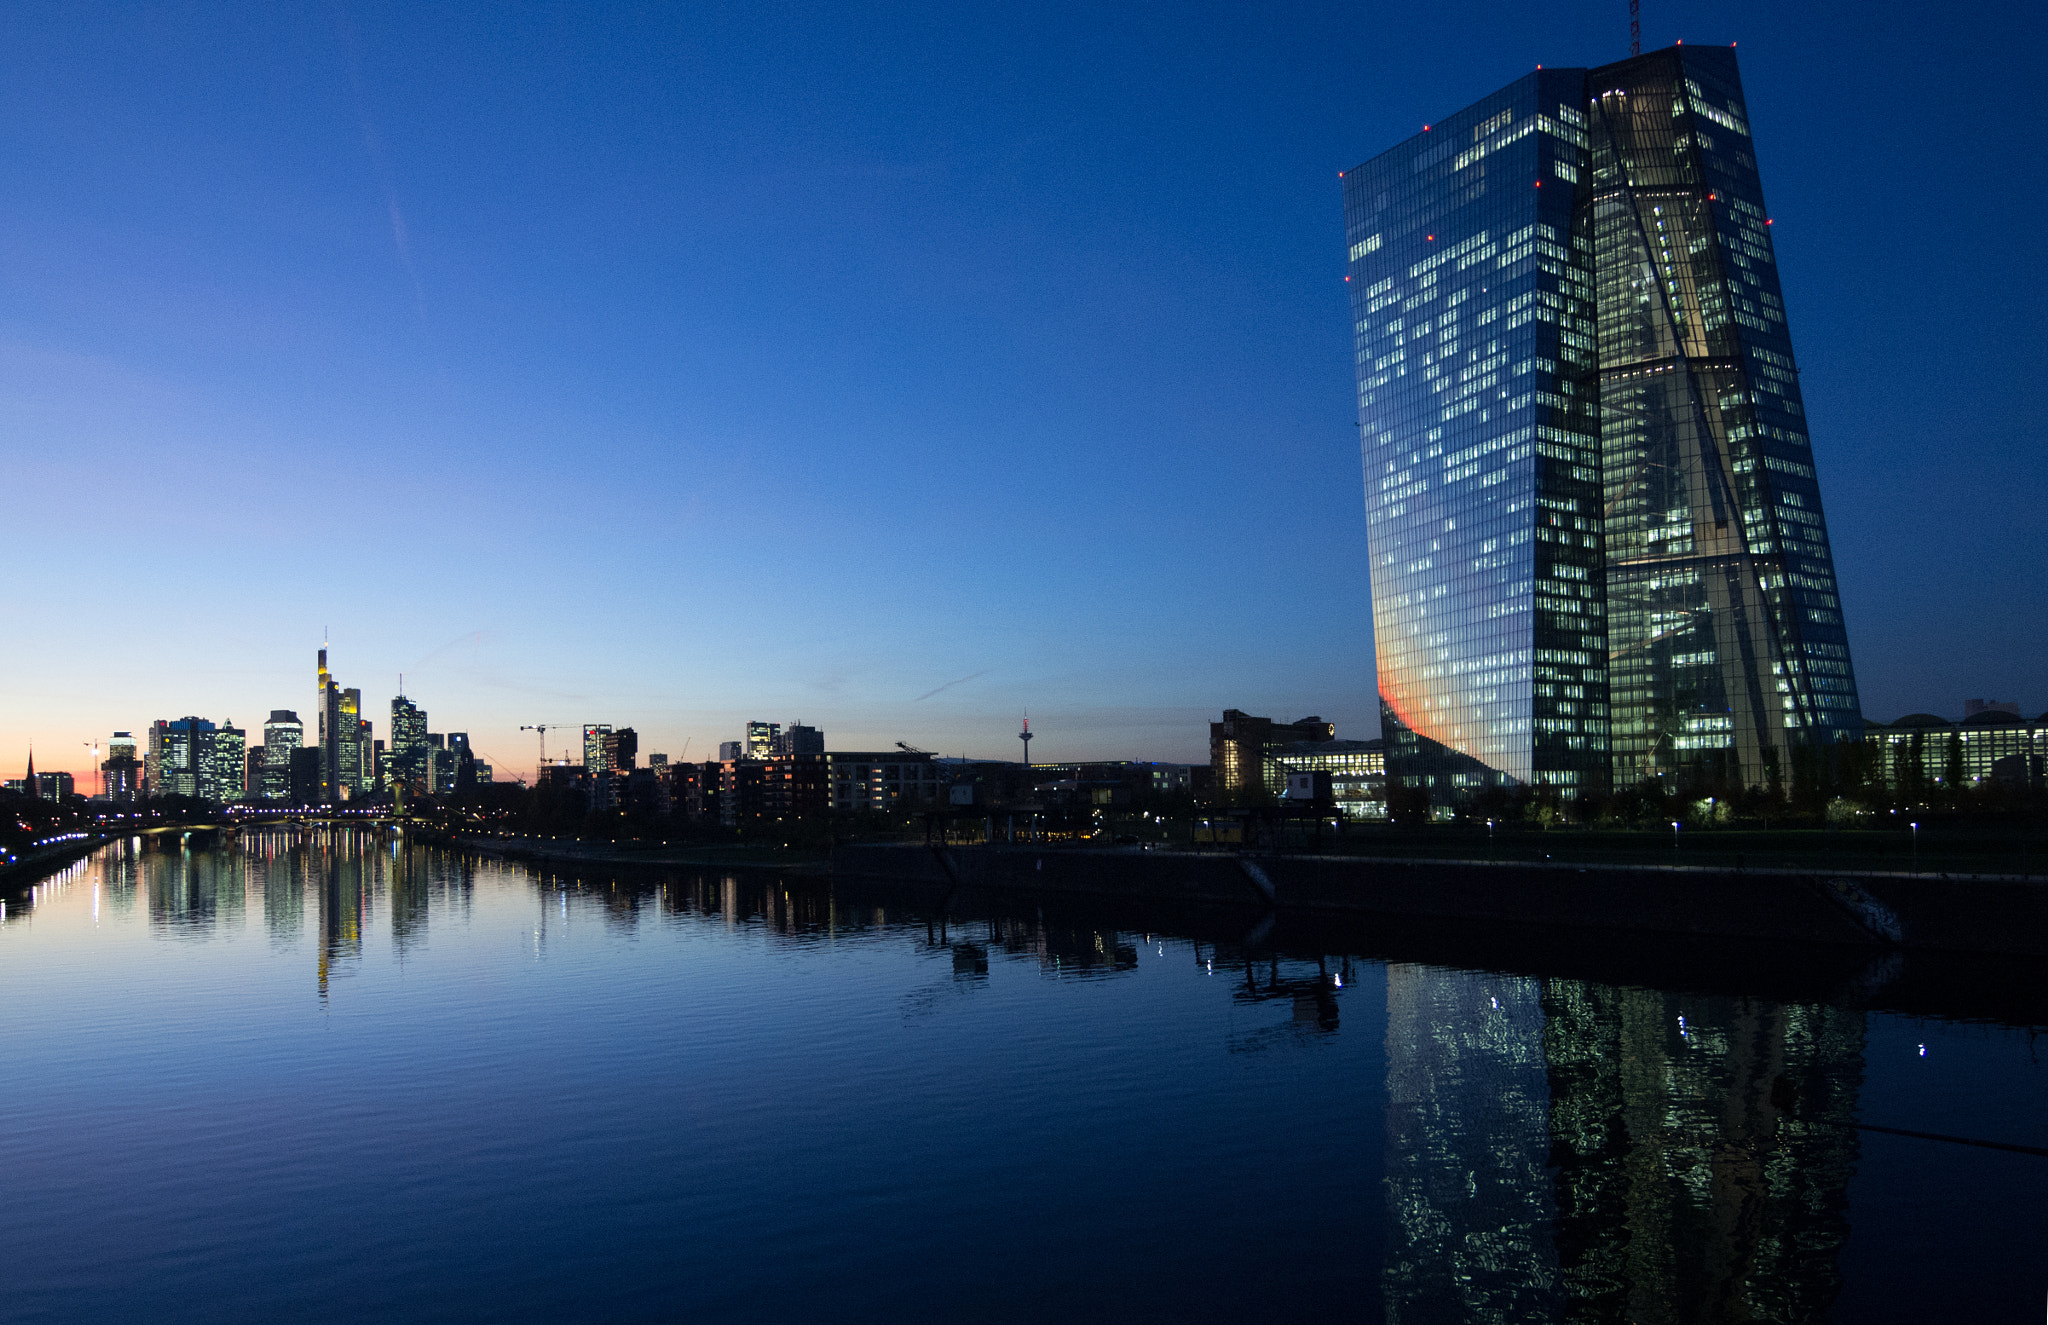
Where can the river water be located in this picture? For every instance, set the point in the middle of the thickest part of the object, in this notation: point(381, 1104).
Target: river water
point(334, 1077)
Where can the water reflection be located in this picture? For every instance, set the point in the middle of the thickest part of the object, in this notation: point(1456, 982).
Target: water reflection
point(1552, 1145)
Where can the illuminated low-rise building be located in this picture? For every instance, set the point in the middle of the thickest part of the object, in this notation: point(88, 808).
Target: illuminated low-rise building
point(1239, 744)
point(1922, 752)
point(1357, 771)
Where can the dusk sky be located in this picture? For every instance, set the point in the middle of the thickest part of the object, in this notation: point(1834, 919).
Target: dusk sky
point(894, 369)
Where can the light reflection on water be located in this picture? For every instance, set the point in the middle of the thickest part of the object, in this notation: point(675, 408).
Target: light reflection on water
point(329, 1075)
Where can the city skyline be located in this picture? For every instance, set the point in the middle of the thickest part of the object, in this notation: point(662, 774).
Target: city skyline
point(1057, 358)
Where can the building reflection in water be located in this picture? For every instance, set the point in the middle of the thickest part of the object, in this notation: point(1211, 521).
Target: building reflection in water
point(1468, 1193)
point(1703, 1150)
point(284, 888)
point(407, 881)
point(1562, 1150)
point(192, 891)
point(344, 907)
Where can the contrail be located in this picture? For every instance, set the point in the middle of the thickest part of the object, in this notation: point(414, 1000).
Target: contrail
point(948, 686)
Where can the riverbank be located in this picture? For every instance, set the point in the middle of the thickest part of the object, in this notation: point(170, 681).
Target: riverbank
point(1976, 913)
point(578, 851)
point(39, 862)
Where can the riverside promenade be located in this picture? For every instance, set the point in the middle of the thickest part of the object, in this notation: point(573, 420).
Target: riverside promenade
point(2001, 914)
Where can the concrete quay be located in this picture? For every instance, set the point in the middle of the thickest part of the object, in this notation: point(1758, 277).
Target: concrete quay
point(1957, 914)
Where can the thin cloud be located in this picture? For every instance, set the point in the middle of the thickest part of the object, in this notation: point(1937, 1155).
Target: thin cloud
point(948, 686)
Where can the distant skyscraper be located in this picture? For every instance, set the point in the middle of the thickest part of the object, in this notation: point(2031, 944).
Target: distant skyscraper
point(1595, 538)
point(121, 774)
point(181, 758)
point(328, 706)
point(223, 763)
point(283, 734)
point(350, 770)
point(761, 739)
point(408, 740)
point(796, 741)
point(593, 745)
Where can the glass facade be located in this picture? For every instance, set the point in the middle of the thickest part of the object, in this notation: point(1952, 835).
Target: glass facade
point(1473, 324)
point(1597, 548)
point(1725, 627)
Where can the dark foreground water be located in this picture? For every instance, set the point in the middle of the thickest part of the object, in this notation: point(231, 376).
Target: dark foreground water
point(339, 1079)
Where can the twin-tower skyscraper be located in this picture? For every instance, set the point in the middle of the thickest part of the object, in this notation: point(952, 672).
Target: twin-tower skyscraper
point(1597, 549)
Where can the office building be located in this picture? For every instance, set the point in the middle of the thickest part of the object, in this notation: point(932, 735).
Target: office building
point(797, 739)
point(307, 776)
point(178, 755)
point(283, 735)
point(327, 704)
point(222, 764)
point(1596, 543)
point(1992, 747)
point(121, 774)
point(408, 742)
point(761, 739)
point(1357, 773)
point(593, 744)
point(53, 786)
point(1238, 746)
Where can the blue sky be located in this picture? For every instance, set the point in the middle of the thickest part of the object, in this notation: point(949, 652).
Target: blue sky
point(673, 366)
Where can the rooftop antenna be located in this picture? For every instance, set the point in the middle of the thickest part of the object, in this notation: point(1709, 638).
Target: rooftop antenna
point(1635, 27)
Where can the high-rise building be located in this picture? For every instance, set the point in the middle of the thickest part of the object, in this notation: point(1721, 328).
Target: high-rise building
point(797, 739)
point(1595, 537)
point(408, 741)
point(53, 786)
point(283, 733)
point(761, 739)
point(178, 753)
point(328, 706)
point(121, 774)
point(223, 764)
point(350, 738)
point(593, 745)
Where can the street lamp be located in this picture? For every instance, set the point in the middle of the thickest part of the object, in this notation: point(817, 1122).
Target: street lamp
point(1916, 846)
point(1674, 834)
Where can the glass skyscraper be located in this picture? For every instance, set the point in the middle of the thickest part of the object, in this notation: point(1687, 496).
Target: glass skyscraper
point(1596, 543)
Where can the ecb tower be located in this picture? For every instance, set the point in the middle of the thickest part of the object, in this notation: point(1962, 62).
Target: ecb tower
point(1597, 550)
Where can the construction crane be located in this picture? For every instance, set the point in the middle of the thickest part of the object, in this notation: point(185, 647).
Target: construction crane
point(94, 746)
point(542, 728)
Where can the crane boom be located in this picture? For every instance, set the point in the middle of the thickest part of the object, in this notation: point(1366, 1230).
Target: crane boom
point(542, 728)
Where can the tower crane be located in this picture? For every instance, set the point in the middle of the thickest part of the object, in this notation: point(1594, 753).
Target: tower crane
point(542, 728)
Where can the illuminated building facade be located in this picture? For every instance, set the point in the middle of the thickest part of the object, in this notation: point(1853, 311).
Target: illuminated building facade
point(408, 741)
point(173, 759)
point(1727, 651)
point(1595, 538)
point(1990, 748)
point(1357, 769)
point(121, 774)
point(1239, 744)
point(223, 764)
point(283, 735)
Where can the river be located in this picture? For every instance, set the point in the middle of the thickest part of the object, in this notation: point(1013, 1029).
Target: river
point(332, 1076)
